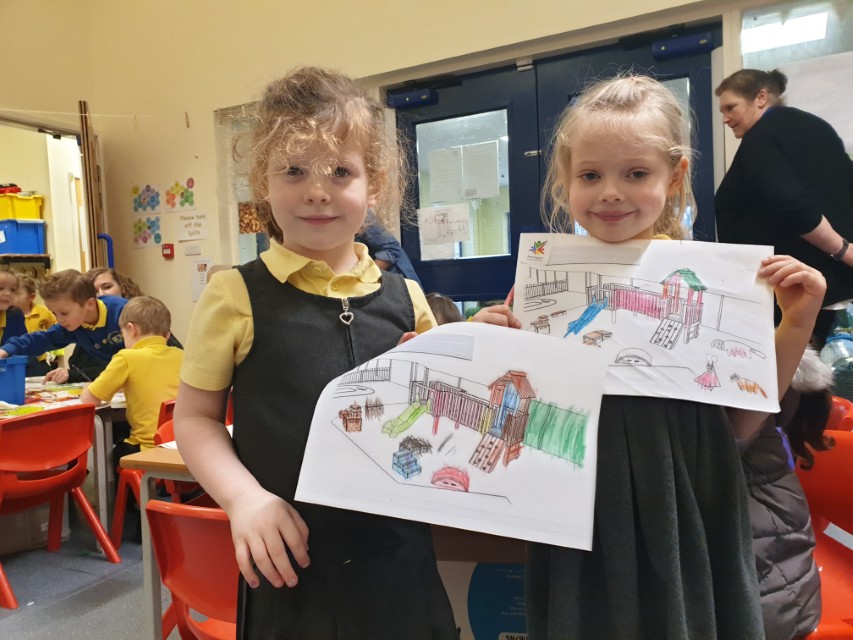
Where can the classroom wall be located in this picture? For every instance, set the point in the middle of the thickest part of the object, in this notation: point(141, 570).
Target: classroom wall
point(154, 73)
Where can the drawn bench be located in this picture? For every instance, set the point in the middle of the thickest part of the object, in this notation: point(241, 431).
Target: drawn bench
point(596, 337)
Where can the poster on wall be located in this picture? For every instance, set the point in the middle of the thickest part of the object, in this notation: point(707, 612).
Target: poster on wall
point(146, 232)
point(180, 196)
point(192, 226)
point(198, 275)
point(145, 199)
point(820, 86)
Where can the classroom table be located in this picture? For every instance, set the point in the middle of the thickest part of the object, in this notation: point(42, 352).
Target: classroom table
point(167, 463)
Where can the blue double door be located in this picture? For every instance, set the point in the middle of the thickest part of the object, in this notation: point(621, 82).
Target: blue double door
point(488, 135)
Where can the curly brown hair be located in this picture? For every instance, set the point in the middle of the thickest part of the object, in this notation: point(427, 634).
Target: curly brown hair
point(312, 106)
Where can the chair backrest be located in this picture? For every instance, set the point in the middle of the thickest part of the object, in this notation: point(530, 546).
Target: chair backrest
point(167, 408)
point(195, 554)
point(38, 446)
point(828, 483)
point(840, 415)
point(165, 433)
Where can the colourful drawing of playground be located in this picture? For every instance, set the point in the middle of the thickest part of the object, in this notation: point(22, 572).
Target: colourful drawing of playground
point(455, 430)
point(659, 331)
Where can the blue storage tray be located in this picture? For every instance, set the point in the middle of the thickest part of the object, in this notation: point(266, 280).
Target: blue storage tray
point(22, 236)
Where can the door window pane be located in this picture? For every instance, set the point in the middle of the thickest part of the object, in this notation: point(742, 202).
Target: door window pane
point(463, 186)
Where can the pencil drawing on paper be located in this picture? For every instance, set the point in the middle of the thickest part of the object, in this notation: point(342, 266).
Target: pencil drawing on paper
point(671, 319)
point(491, 424)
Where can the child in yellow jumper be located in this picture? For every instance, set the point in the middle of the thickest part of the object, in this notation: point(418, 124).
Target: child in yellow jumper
point(147, 369)
point(37, 318)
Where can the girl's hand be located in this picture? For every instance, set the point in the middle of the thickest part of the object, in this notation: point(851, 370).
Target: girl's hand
point(798, 287)
point(407, 336)
point(59, 376)
point(264, 527)
point(500, 315)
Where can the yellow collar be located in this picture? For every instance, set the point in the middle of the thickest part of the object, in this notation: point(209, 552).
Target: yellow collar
point(148, 341)
point(283, 263)
point(102, 317)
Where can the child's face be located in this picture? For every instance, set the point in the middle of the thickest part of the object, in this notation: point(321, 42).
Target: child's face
point(105, 285)
point(71, 315)
point(617, 191)
point(8, 291)
point(319, 215)
point(24, 299)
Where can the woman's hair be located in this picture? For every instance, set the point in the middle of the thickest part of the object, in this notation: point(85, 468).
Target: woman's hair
point(748, 82)
point(639, 111)
point(129, 289)
point(443, 308)
point(312, 106)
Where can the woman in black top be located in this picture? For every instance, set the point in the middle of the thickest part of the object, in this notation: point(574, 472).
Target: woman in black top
point(790, 184)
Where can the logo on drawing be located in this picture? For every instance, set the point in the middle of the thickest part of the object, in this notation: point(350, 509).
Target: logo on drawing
point(538, 248)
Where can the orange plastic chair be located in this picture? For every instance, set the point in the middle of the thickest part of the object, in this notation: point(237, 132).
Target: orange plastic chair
point(840, 415)
point(131, 479)
point(195, 555)
point(827, 485)
point(43, 458)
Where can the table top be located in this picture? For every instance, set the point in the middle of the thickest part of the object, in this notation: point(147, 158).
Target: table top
point(155, 459)
point(39, 397)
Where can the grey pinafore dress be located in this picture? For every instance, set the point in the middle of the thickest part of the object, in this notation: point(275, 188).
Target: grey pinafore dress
point(370, 576)
point(672, 546)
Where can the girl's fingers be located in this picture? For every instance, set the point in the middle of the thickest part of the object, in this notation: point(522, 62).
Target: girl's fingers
point(244, 562)
point(277, 554)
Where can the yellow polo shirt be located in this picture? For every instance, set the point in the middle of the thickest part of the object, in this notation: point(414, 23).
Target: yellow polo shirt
point(222, 329)
point(149, 374)
point(39, 319)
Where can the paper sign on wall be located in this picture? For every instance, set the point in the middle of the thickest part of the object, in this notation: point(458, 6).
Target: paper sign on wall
point(192, 226)
point(198, 275)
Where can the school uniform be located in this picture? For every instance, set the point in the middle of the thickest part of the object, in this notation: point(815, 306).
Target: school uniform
point(39, 318)
point(370, 576)
point(12, 324)
point(101, 340)
point(149, 374)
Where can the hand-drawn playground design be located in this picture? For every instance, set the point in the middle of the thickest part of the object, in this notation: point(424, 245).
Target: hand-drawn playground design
point(674, 324)
point(469, 426)
point(449, 432)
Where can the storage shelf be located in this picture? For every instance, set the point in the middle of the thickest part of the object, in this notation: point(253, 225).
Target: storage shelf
point(18, 258)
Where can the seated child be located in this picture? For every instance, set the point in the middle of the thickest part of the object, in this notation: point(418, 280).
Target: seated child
point(443, 308)
point(37, 318)
point(83, 319)
point(11, 318)
point(147, 369)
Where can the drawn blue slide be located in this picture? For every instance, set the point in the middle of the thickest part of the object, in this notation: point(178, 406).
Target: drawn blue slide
point(588, 315)
point(398, 425)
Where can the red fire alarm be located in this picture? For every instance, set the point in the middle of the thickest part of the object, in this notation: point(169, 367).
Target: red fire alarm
point(168, 251)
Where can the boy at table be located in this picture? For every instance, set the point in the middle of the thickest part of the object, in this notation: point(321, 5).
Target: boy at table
point(82, 318)
point(147, 369)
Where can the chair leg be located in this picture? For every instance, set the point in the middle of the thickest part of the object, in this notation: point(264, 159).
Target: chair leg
point(95, 525)
point(7, 596)
point(54, 526)
point(128, 480)
point(168, 621)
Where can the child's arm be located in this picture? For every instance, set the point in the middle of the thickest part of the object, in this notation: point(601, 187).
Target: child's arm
point(37, 343)
point(799, 293)
point(261, 522)
point(500, 315)
point(108, 383)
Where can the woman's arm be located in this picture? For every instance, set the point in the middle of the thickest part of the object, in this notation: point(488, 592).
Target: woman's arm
point(261, 522)
point(828, 240)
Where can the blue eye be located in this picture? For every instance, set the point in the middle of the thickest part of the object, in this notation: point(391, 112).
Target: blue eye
point(638, 174)
point(588, 176)
point(340, 172)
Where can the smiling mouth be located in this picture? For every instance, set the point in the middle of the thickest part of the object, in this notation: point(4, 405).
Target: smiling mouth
point(319, 220)
point(612, 216)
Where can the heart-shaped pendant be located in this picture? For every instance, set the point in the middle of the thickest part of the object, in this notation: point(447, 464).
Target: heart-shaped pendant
point(347, 317)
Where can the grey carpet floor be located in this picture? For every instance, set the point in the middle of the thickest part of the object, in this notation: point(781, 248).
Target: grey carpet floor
point(75, 593)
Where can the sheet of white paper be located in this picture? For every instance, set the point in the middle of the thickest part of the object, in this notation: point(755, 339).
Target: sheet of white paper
point(445, 175)
point(480, 170)
point(469, 426)
point(445, 224)
point(198, 275)
point(673, 319)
